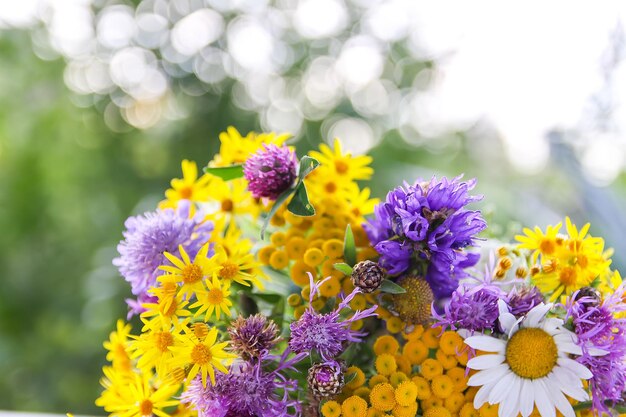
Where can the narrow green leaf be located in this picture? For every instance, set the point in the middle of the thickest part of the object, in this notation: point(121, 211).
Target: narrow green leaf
point(279, 202)
point(343, 268)
point(391, 287)
point(299, 204)
point(349, 377)
point(226, 173)
point(349, 247)
point(307, 165)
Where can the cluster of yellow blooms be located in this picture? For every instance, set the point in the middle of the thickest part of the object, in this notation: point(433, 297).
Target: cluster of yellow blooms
point(303, 245)
point(425, 375)
point(561, 265)
point(176, 344)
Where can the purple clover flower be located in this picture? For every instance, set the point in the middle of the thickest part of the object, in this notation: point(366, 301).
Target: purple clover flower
point(602, 338)
point(147, 236)
point(425, 227)
point(270, 171)
point(248, 390)
point(326, 333)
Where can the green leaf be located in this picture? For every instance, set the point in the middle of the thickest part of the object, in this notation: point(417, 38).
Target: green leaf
point(391, 287)
point(307, 165)
point(299, 204)
point(344, 268)
point(349, 377)
point(279, 202)
point(226, 173)
point(349, 247)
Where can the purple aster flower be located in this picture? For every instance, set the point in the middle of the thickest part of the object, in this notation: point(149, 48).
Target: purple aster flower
point(254, 336)
point(423, 229)
point(326, 333)
point(248, 390)
point(149, 235)
point(270, 171)
point(521, 300)
point(602, 338)
point(471, 308)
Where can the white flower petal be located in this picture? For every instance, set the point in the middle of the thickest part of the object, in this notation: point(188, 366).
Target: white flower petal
point(503, 308)
point(597, 352)
point(569, 384)
point(488, 375)
point(510, 406)
point(502, 389)
point(486, 343)
point(578, 369)
point(485, 361)
point(542, 400)
point(569, 347)
point(552, 326)
point(556, 395)
point(534, 316)
point(483, 393)
point(507, 322)
point(526, 398)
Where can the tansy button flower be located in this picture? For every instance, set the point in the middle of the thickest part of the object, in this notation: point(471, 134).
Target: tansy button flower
point(530, 366)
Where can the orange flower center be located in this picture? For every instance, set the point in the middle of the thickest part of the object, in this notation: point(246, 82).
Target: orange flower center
point(547, 246)
point(145, 408)
point(341, 167)
point(227, 205)
point(186, 193)
point(191, 273)
point(330, 187)
point(215, 296)
point(163, 340)
point(201, 355)
point(229, 270)
point(568, 276)
point(200, 330)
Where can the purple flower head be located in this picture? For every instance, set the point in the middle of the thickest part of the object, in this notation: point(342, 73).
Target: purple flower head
point(326, 333)
point(423, 229)
point(270, 171)
point(248, 390)
point(326, 379)
point(602, 338)
point(471, 308)
point(253, 336)
point(521, 300)
point(147, 236)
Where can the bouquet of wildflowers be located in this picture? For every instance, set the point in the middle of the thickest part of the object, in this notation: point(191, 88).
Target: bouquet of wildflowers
point(273, 285)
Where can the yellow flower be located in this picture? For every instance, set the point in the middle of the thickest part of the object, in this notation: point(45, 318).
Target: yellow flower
point(358, 379)
point(431, 368)
point(190, 274)
point(118, 345)
point(140, 399)
point(152, 349)
point(442, 386)
point(343, 166)
point(540, 243)
point(382, 397)
point(437, 412)
point(354, 406)
point(235, 149)
point(238, 265)
point(423, 387)
point(190, 187)
point(385, 364)
point(331, 409)
point(386, 344)
point(203, 356)
point(406, 393)
point(214, 300)
point(415, 351)
point(164, 313)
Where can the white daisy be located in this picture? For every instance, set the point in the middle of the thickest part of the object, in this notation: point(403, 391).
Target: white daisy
point(529, 366)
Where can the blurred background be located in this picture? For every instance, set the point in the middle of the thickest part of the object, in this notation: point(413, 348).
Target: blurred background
point(100, 100)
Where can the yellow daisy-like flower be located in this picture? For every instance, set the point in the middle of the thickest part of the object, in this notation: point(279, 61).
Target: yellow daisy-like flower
point(117, 346)
point(231, 199)
point(190, 187)
point(140, 399)
point(540, 243)
point(203, 356)
point(190, 274)
point(164, 313)
point(152, 349)
point(238, 265)
point(344, 166)
point(215, 300)
point(235, 149)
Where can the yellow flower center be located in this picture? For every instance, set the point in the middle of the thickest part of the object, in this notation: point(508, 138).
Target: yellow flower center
point(201, 355)
point(567, 276)
point(229, 270)
point(414, 305)
point(163, 340)
point(191, 273)
point(171, 309)
point(145, 408)
point(547, 246)
point(330, 187)
point(341, 167)
point(531, 353)
point(186, 193)
point(215, 296)
point(227, 205)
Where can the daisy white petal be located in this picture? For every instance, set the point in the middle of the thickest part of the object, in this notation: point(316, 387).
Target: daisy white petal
point(535, 315)
point(558, 398)
point(485, 361)
point(542, 400)
point(486, 343)
point(527, 398)
point(488, 375)
point(580, 370)
point(483, 394)
point(510, 407)
point(502, 389)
